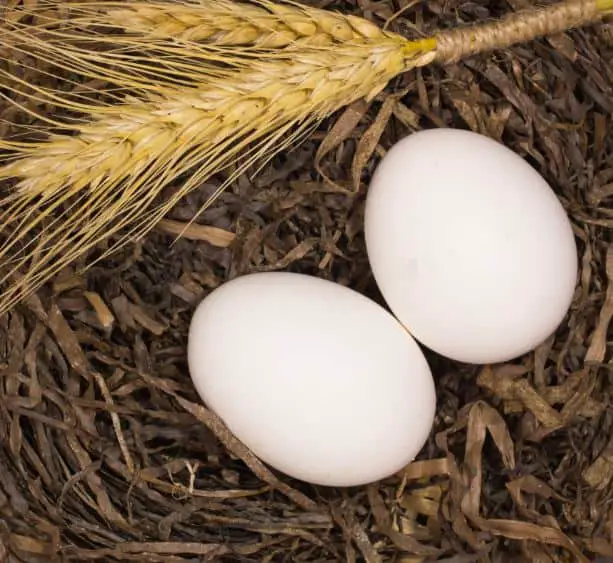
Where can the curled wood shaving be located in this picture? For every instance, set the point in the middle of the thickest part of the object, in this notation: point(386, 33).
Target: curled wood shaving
point(193, 231)
point(598, 346)
point(600, 473)
point(426, 468)
point(506, 382)
point(370, 139)
point(480, 420)
point(345, 517)
point(384, 524)
point(104, 314)
point(342, 129)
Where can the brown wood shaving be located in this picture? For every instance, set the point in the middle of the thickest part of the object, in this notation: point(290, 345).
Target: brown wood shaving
point(598, 346)
point(213, 235)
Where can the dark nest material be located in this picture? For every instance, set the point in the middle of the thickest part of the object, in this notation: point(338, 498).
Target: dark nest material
point(108, 455)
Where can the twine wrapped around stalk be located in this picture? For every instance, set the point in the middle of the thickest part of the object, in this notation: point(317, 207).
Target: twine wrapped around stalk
point(193, 87)
point(518, 28)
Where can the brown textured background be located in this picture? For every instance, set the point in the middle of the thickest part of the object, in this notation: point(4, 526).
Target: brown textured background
point(107, 455)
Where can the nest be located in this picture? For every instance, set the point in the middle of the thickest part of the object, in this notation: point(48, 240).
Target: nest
point(107, 453)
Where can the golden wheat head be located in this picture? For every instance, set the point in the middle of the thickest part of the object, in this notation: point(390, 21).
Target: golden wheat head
point(102, 173)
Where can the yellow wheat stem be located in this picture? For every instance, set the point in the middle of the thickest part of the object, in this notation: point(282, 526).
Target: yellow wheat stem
point(196, 86)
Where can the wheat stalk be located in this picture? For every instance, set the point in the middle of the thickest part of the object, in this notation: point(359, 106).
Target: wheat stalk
point(231, 84)
point(81, 189)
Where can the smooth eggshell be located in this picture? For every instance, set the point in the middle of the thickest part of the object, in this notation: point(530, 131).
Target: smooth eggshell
point(470, 247)
point(317, 380)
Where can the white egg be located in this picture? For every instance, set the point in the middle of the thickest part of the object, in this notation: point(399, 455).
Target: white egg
point(470, 247)
point(316, 379)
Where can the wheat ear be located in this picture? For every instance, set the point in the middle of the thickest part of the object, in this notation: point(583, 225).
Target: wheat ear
point(177, 35)
point(83, 188)
point(210, 102)
point(265, 25)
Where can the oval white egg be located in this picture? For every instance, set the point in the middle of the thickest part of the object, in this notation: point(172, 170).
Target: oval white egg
point(316, 379)
point(470, 247)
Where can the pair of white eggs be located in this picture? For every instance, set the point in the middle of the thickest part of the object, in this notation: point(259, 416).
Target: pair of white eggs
point(475, 258)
